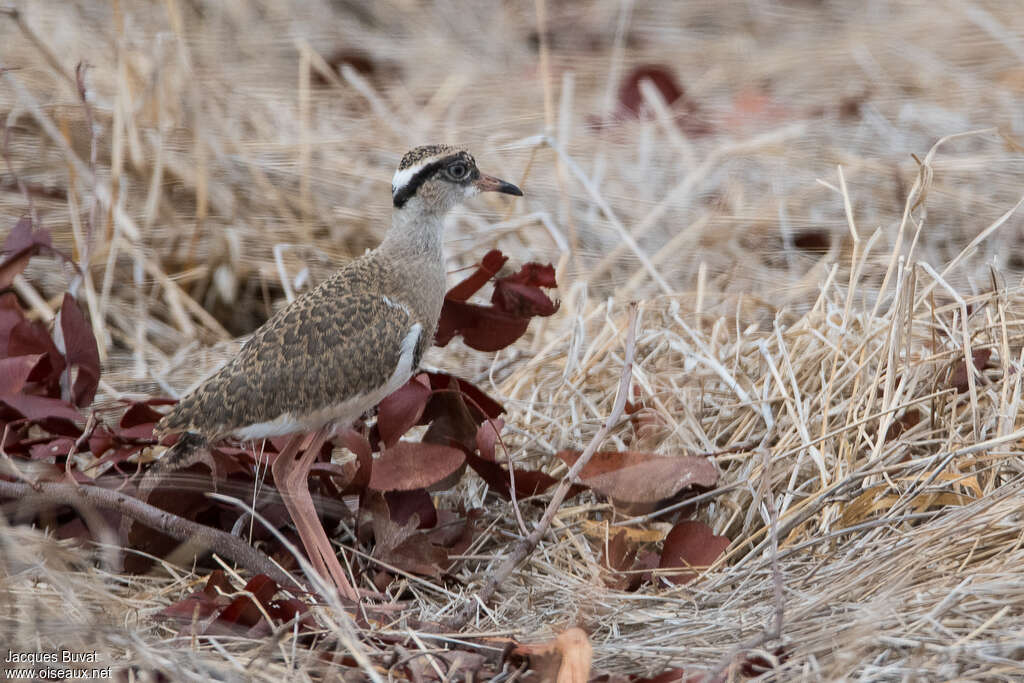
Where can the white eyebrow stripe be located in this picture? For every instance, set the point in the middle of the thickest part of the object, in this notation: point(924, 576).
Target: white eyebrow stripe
point(403, 176)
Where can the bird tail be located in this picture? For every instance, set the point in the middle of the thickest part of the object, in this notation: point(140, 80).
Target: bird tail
point(187, 451)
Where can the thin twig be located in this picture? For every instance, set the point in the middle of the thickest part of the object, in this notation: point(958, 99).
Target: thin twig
point(526, 545)
point(177, 527)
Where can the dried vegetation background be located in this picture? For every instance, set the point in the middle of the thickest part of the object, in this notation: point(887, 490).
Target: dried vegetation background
point(810, 296)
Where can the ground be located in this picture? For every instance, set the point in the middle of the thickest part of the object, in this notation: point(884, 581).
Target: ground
point(815, 205)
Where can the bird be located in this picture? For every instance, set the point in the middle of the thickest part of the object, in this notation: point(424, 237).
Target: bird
point(338, 349)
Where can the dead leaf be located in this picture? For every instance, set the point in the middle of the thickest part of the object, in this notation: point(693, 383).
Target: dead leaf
point(566, 659)
point(640, 477)
point(14, 372)
point(516, 299)
point(958, 377)
point(408, 465)
point(20, 246)
point(402, 410)
point(485, 270)
point(690, 544)
point(80, 351)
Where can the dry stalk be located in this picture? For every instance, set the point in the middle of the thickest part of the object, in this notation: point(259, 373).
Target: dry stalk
point(526, 545)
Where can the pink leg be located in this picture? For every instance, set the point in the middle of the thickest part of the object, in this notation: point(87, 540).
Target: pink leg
point(291, 474)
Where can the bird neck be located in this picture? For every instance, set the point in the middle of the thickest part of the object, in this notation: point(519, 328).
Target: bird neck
point(415, 235)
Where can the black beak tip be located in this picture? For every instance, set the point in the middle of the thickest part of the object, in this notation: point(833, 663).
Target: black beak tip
point(509, 188)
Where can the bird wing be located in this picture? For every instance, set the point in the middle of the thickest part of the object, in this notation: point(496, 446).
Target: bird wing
point(331, 354)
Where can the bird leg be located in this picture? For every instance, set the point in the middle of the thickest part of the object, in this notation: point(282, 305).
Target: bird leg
point(291, 474)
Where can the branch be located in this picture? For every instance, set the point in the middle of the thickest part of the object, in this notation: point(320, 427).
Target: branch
point(526, 546)
point(177, 527)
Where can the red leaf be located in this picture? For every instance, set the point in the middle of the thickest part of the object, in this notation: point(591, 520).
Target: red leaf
point(21, 237)
point(516, 298)
point(208, 600)
point(958, 378)
point(488, 268)
point(409, 465)
point(452, 422)
point(670, 676)
point(402, 410)
point(360, 447)
point(476, 400)
point(483, 328)
point(10, 315)
point(55, 448)
point(38, 408)
point(532, 275)
point(244, 610)
point(289, 608)
point(528, 482)
point(690, 544)
point(630, 97)
point(29, 338)
point(639, 477)
point(402, 505)
point(401, 544)
point(21, 244)
point(487, 437)
point(522, 301)
point(13, 266)
point(14, 372)
point(80, 351)
point(139, 413)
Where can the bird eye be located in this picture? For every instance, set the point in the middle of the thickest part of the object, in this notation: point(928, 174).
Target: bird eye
point(458, 171)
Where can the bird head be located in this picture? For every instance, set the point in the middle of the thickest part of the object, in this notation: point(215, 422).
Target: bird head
point(435, 178)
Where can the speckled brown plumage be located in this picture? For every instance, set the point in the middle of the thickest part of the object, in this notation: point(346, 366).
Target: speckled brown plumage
point(335, 351)
point(340, 340)
point(424, 152)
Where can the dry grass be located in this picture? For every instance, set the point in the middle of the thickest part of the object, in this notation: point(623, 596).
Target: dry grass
point(899, 555)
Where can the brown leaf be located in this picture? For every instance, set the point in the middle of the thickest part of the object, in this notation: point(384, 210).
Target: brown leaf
point(528, 482)
point(21, 244)
point(40, 408)
point(639, 477)
point(516, 298)
point(487, 437)
point(360, 447)
point(452, 422)
point(485, 270)
point(958, 377)
point(10, 315)
point(29, 338)
point(402, 505)
point(402, 410)
point(817, 241)
point(484, 328)
point(618, 558)
point(690, 544)
point(631, 99)
point(402, 545)
point(908, 420)
point(480, 404)
point(566, 659)
point(522, 301)
point(80, 351)
point(244, 610)
point(14, 372)
point(408, 465)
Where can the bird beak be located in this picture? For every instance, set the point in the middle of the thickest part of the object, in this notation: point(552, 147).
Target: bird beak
point(488, 183)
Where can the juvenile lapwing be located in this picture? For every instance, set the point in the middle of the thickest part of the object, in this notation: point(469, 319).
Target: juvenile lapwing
point(336, 351)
